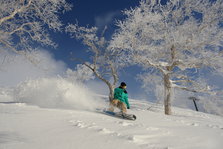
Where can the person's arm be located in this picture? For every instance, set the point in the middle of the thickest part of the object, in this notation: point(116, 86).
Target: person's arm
point(127, 100)
point(127, 103)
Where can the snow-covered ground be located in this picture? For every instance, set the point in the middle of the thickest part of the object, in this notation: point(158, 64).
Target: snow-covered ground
point(25, 126)
point(53, 113)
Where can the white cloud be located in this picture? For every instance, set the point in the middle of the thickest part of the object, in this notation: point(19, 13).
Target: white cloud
point(17, 68)
point(105, 19)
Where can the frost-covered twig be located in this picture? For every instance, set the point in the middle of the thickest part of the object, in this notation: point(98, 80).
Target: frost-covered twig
point(25, 23)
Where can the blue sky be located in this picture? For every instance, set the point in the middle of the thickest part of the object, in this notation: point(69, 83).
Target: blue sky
point(97, 13)
point(88, 12)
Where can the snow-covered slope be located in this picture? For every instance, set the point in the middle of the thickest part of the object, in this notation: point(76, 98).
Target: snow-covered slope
point(53, 113)
point(25, 126)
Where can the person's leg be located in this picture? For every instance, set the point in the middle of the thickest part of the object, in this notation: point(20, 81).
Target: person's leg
point(122, 106)
point(113, 104)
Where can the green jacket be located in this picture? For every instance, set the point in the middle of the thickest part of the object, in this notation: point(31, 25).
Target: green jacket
point(122, 95)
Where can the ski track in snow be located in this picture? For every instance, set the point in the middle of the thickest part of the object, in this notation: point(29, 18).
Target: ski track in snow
point(143, 133)
point(139, 139)
point(146, 135)
point(143, 139)
point(195, 123)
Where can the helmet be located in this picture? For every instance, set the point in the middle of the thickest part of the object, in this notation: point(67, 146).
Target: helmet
point(123, 84)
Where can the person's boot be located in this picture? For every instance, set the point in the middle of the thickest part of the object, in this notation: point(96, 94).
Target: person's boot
point(111, 108)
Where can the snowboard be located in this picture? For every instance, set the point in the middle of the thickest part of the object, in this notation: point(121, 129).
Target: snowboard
point(121, 115)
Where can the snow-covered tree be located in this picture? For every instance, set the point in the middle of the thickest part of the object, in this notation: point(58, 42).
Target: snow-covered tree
point(24, 23)
point(177, 38)
point(103, 63)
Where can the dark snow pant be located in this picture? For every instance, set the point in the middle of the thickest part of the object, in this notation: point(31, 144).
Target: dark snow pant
point(117, 103)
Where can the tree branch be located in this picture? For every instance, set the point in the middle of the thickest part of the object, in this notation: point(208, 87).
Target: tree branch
point(9, 46)
point(114, 74)
point(12, 15)
point(94, 71)
point(20, 28)
point(24, 53)
point(185, 88)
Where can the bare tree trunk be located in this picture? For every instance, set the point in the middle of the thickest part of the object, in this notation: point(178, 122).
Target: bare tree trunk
point(111, 92)
point(110, 85)
point(167, 94)
point(168, 84)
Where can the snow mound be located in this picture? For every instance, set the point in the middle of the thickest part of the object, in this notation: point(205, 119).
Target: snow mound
point(55, 93)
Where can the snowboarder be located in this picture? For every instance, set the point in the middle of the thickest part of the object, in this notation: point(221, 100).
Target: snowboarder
point(120, 99)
